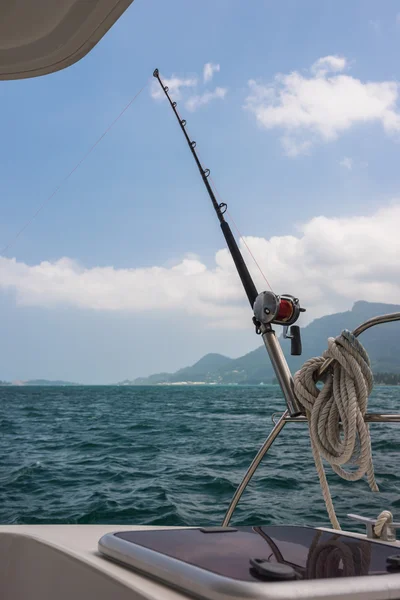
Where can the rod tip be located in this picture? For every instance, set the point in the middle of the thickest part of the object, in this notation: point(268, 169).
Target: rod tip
point(155, 73)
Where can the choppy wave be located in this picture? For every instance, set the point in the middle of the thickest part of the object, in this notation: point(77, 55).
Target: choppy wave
point(171, 456)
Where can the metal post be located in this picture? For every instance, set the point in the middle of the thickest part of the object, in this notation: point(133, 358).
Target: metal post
point(253, 467)
point(289, 416)
point(369, 418)
point(281, 369)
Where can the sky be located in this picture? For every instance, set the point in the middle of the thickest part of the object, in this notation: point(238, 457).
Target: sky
point(295, 109)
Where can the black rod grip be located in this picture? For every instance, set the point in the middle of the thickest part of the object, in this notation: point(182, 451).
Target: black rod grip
point(241, 267)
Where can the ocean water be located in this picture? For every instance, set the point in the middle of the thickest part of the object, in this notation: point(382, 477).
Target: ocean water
point(173, 456)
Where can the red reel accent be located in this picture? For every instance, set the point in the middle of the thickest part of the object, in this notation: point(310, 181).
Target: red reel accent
point(285, 311)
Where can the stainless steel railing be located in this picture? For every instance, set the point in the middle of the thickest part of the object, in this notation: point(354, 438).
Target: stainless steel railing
point(286, 418)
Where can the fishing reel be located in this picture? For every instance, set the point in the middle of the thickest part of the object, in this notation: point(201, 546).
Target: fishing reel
point(279, 310)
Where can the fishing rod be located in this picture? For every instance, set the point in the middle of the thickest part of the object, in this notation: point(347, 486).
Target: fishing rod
point(220, 209)
point(268, 307)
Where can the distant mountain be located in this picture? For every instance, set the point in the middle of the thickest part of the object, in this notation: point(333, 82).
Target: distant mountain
point(382, 343)
point(41, 382)
point(205, 370)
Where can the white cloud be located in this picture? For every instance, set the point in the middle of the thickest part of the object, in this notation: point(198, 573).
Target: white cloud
point(322, 105)
point(209, 70)
point(329, 264)
point(187, 286)
point(346, 163)
point(175, 85)
point(329, 64)
point(194, 102)
point(294, 147)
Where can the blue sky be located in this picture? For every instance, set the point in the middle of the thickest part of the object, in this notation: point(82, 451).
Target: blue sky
point(309, 160)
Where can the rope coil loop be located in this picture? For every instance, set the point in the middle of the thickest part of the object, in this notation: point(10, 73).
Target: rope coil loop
point(336, 412)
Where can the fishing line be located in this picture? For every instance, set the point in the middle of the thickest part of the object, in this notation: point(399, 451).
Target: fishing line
point(248, 249)
point(47, 200)
point(241, 237)
point(237, 229)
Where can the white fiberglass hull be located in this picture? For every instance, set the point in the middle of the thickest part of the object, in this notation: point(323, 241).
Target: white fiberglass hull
point(47, 562)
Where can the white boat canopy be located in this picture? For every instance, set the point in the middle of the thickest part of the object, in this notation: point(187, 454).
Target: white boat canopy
point(37, 38)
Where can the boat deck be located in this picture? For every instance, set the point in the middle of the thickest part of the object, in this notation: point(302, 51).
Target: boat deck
point(47, 562)
point(43, 562)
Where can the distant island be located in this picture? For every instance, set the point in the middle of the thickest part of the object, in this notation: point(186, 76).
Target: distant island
point(382, 343)
point(40, 382)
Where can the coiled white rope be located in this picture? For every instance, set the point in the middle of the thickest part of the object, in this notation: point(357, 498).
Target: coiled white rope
point(336, 414)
